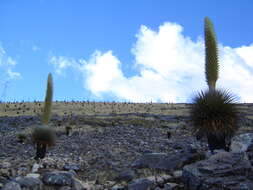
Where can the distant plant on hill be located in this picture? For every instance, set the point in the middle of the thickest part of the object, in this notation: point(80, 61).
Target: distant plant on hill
point(213, 112)
point(43, 135)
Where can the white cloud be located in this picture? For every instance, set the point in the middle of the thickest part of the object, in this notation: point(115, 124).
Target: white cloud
point(13, 75)
point(35, 48)
point(7, 64)
point(170, 66)
point(61, 63)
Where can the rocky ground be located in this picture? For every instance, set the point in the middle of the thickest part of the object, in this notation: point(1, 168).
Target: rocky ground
point(119, 151)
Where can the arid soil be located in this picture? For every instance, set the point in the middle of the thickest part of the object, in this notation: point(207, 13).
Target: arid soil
point(105, 138)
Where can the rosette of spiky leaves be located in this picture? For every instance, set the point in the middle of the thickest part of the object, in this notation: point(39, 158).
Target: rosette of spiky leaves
point(44, 135)
point(214, 111)
point(211, 54)
point(48, 100)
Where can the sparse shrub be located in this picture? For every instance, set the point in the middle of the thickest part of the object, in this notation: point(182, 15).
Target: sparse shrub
point(21, 137)
point(43, 136)
point(68, 129)
point(214, 113)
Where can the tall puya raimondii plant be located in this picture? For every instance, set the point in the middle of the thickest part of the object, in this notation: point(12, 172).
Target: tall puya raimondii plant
point(43, 136)
point(213, 111)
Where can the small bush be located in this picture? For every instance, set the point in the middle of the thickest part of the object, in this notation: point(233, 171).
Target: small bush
point(68, 130)
point(44, 135)
point(21, 137)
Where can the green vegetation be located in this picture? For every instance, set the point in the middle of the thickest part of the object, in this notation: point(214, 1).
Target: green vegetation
point(214, 112)
point(211, 56)
point(21, 137)
point(43, 136)
point(68, 130)
point(48, 100)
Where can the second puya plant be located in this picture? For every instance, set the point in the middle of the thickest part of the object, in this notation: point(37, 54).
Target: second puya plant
point(44, 136)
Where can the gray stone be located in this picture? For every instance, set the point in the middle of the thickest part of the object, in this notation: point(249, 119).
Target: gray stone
point(11, 186)
point(35, 168)
point(167, 162)
point(249, 153)
point(58, 178)
point(22, 171)
point(223, 170)
point(74, 167)
point(171, 186)
point(65, 188)
point(33, 175)
point(141, 184)
point(29, 183)
point(118, 187)
point(126, 176)
point(77, 185)
point(177, 174)
point(62, 179)
point(241, 142)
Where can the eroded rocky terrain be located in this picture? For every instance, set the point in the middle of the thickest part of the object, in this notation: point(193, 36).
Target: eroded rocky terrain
point(117, 150)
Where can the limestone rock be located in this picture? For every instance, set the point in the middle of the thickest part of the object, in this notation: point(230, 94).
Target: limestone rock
point(62, 179)
point(58, 178)
point(171, 186)
point(167, 162)
point(223, 170)
point(11, 186)
point(29, 183)
point(241, 142)
point(141, 184)
point(126, 176)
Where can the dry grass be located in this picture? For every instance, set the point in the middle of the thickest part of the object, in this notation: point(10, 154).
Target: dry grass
point(91, 108)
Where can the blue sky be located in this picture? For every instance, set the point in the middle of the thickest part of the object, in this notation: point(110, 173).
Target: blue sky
point(121, 50)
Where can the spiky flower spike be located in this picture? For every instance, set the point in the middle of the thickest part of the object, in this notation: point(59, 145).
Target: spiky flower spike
point(48, 100)
point(212, 64)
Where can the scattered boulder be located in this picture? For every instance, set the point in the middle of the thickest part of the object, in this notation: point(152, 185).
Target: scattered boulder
point(11, 186)
point(223, 170)
point(249, 153)
point(58, 178)
point(167, 162)
point(74, 167)
point(141, 184)
point(126, 176)
point(241, 142)
point(172, 186)
point(29, 183)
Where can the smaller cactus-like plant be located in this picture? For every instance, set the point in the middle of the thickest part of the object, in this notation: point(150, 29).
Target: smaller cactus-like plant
point(214, 114)
point(43, 136)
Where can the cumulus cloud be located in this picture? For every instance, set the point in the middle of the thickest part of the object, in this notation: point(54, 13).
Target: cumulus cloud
point(170, 68)
point(61, 63)
point(35, 48)
point(13, 75)
point(7, 64)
